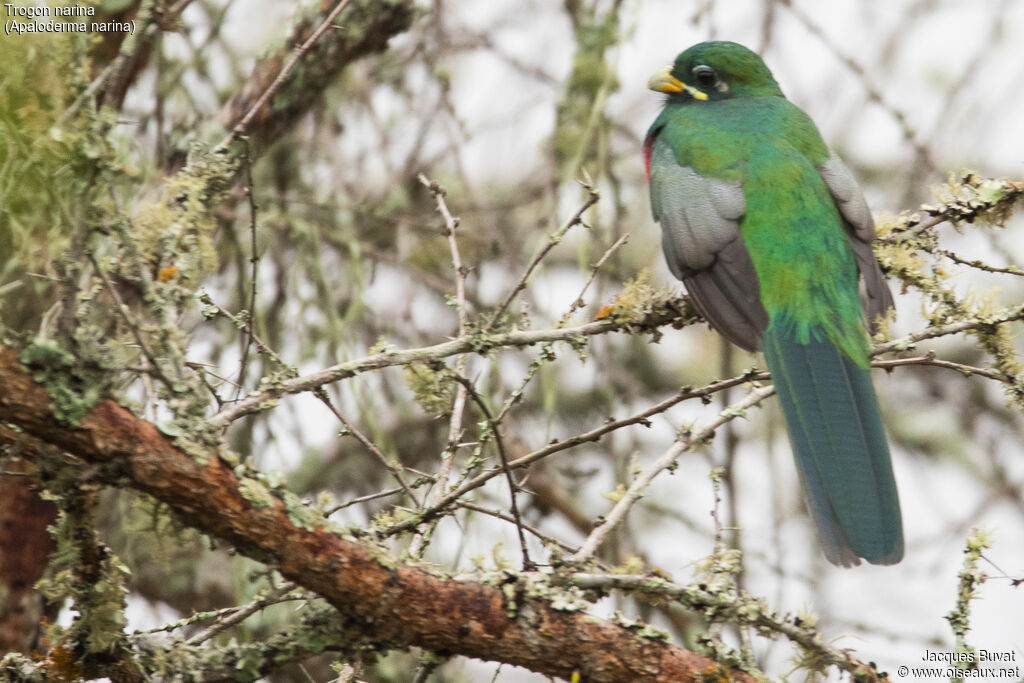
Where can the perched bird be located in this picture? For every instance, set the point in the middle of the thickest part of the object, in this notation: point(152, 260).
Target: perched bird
point(769, 232)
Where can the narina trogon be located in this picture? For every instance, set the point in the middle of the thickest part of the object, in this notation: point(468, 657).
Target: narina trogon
point(769, 232)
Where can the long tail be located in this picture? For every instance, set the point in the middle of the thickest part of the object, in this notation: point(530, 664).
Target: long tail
point(834, 425)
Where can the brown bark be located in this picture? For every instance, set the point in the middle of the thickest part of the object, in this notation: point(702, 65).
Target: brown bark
point(25, 547)
point(127, 66)
point(394, 604)
point(364, 27)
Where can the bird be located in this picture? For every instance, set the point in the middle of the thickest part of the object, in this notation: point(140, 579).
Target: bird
point(771, 236)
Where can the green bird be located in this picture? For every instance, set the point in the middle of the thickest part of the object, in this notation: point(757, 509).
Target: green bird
point(769, 232)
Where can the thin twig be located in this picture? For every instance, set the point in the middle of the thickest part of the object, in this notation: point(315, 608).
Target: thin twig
point(930, 359)
point(550, 540)
point(451, 223)
point(907, 342)
point(512, 485)
point(364, 499)
point(578, 302)
point(592, 435)
point(368, 444)
point(244, 322)
point(547, 354)
point(741, 608)
point(240, 614)
point(477, 343)
point(254, 259)
point(204, 372)
point(286, 70)
point(133, 325)
point(905, 232)
point(730, 447)
point(553, 239)
point(716, 488)
point(638, 487)
point(718, 566)
point(980, 265)
point(459, 403)
point(96, 84)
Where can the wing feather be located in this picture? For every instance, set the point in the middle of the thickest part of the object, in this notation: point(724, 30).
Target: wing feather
point(877, 298)
point(701, 239)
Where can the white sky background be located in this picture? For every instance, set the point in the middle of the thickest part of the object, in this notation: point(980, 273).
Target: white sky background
point(894, 612)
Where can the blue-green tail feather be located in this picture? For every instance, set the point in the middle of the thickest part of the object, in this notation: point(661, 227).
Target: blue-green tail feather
point(834, 424)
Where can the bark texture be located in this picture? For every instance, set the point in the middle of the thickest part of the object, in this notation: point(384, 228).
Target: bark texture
point(395, 605)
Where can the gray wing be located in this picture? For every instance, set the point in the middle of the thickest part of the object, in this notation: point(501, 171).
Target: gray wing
point(876, 299)
point(701, 239)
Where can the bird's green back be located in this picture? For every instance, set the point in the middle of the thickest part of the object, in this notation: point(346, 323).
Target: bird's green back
point(792, 228)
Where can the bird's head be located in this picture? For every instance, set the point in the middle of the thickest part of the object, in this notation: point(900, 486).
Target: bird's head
point(717, 70)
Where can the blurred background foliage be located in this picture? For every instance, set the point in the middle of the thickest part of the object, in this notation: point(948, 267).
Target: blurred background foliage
point(507, 105)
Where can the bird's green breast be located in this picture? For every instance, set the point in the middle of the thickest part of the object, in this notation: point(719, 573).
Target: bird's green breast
point(792, 228)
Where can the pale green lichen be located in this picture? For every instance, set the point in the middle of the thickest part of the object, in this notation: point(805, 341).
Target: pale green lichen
point(564, 601)
point(971, 577)
point(93, 578)
point(968, 197)
point(177, 229)
point(256, 493)
point(432, 386)
point(508, 590)
point(616, 495)
point(653, 633)
point(300, 514)
point(633, 564)
point(908, 248)
point(537, 585)
point(383, 346)
point(637, 300)
point(73, 387)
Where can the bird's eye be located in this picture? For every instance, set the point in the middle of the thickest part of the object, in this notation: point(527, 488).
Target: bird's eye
point(705, 76)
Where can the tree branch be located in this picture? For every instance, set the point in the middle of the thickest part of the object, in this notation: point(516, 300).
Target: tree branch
point(742, 609)
point(396, 603)
point(640, 484)
point(271, 101)
point(478, 343)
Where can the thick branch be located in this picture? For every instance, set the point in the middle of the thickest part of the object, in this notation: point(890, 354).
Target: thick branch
point(26, 547)
point(395, 603)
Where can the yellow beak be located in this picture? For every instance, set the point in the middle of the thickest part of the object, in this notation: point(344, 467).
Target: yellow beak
point(664, 81)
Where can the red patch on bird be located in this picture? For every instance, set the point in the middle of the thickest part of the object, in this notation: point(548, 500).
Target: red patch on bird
point(648, 150)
